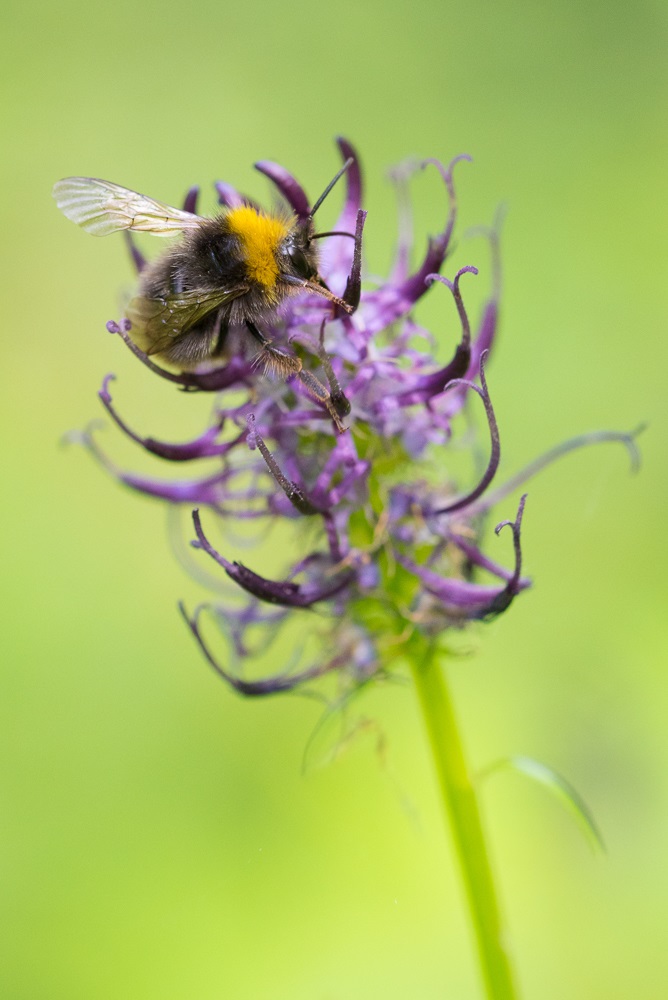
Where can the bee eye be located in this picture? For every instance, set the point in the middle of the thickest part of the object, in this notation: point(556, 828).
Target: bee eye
point(300, 263)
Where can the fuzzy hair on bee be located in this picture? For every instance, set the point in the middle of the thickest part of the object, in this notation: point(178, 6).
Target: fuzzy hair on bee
point(227, 272)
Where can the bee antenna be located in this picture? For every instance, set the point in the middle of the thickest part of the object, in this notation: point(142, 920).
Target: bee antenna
point(349, 162)
point(333, 232)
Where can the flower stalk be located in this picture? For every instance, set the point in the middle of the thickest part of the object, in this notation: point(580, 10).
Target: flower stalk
point(461, 806)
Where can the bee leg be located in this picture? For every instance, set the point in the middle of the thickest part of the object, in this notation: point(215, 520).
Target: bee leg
point(284, 364)
point(275, 360)
point(335, 399)
point(338, 398)
point(317, 391)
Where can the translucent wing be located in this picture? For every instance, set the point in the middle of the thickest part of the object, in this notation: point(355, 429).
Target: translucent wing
point(101, 208)
point(160, 321)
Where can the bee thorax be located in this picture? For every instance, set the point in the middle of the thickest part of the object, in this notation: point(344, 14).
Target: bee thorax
point(260, 238)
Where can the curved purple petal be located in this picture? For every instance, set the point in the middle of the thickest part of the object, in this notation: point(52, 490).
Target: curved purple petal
point(476, 601)
point(339, 252)
point(136, 256)
point(495, 453)
point(228, 195)
point(191, 199)
point(237, 371)
point(353, 291)
point(400, 177)
point(283, 592)
point(540, 463)
point(427, 386)
point(204, 446)
point(353, 201)
point(503, 600)
point(277, 684)
point(288, 186)
point(392, 301)
point(473, 599)
point(209, 491)
point(477, 558)
point(295, 493)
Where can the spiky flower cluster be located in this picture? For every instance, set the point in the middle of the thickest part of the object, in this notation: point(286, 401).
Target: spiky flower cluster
point(386, 544)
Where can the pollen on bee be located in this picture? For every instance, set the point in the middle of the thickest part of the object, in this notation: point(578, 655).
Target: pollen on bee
point(260, 236)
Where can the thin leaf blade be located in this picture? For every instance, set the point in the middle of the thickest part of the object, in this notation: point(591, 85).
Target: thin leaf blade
point(560, 787)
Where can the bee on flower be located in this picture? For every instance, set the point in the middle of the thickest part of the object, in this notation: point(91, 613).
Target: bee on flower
point(342, 429)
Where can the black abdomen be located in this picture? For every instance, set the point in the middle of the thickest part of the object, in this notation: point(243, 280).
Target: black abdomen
point(206, 259)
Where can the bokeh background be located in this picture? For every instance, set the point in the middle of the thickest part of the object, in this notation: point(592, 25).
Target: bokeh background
point(159, 839)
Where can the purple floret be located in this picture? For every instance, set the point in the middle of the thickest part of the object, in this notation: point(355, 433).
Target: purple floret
point(352, 450)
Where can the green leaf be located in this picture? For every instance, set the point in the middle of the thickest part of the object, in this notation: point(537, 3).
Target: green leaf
point(560, 787)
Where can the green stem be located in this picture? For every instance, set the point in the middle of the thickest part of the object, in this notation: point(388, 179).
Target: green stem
point(461, 805)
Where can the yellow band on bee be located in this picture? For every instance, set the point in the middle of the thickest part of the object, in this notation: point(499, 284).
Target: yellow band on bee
point(260, 236)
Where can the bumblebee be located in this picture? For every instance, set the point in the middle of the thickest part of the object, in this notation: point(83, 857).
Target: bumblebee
point(233, 270)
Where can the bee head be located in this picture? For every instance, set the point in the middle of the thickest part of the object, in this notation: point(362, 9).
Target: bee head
point(297, 255)
point(300, 256)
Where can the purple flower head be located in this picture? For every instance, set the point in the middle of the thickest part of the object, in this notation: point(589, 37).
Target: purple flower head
point(346, 442)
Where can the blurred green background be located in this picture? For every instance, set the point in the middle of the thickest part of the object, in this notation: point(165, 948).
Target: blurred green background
point(158, 839)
